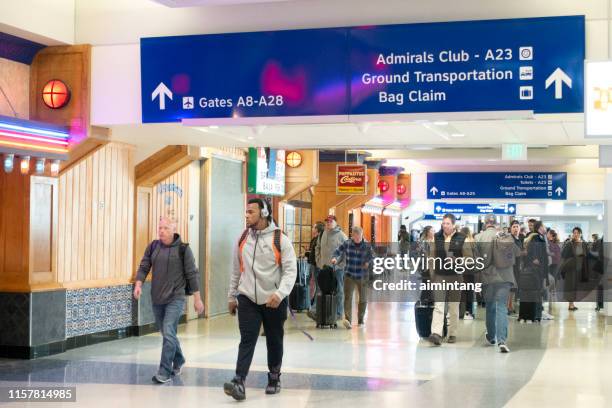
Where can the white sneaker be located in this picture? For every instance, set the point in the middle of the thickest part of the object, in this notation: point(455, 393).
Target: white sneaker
point(547, 316)
point(503, 348)
point(468, 316)
point(347, 324)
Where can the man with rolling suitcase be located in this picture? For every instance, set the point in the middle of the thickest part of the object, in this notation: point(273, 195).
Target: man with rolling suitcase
point(264, 273)
point(330, 240)
point(533, 275)
point(448, 245)
point(357, 253)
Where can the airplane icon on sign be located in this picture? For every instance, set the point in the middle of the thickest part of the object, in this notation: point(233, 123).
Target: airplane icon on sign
point(188, 102)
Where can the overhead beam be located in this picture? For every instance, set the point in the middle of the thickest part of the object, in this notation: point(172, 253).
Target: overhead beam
point(164, 163)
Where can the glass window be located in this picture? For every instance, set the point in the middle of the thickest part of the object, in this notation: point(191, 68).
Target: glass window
point(298, 218)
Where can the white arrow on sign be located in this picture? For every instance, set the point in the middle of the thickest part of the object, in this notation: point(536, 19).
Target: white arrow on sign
point(438, 208)
point(433, 190)
point(511, 209)
point(559, 190)
point(161, 91)
point(558, 77)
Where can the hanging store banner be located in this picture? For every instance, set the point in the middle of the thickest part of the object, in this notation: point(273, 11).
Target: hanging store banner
point(351, 179)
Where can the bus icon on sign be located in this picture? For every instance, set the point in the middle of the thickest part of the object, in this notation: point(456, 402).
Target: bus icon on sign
point(526, 73)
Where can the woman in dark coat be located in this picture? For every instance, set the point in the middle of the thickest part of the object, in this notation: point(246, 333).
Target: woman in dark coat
point(575, 266)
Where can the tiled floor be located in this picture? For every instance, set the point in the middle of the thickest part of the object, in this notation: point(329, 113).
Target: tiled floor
point(561, 363)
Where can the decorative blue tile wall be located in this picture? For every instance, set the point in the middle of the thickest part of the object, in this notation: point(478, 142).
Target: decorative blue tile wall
point(99, 309)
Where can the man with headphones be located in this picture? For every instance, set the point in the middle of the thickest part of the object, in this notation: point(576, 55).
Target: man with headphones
point(265, 269)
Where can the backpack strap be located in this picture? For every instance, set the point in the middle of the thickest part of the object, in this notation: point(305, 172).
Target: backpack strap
point(154, 250)
point(241, 243)
point(277, 246)
point(182, 248)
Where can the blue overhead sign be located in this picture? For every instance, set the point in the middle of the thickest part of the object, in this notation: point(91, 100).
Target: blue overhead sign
point(276, 73)
point(495, 65)
point(473, 208)
point(436, 217)
point(516, 185)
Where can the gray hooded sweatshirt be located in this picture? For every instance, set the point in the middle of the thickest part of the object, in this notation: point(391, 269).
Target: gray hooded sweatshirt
point(169, 274)
point(327, 245)
point(261, 275)
point(492, 274)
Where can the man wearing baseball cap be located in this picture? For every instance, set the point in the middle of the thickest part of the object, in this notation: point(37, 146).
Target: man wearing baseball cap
point(330, 241)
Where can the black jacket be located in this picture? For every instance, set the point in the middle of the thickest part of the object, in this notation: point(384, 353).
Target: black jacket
point(455, 246)
point(571, 261)
point(536, 249)
point(312, 255)
point(170, 272)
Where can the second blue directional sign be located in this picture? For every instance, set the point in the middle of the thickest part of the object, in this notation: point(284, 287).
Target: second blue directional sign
point(512, 186)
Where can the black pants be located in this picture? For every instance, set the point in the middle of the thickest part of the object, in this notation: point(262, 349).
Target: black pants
point(467, 297)
point(250, 318)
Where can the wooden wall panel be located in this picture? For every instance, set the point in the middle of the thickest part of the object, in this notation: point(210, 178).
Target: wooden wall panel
point(95, 235)
point(14, 230)
point(143, 227)
point(43, 231)
point(15, 81)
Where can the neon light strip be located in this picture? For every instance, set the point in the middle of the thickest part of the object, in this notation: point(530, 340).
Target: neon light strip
point(31, 146)
point(34, 138)
point(42, 132)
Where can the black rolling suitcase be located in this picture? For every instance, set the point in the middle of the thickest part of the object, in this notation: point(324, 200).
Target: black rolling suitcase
point(531, 311)
point(299, 298)
point(327, 300)
point(530, 307)
point(327, 310)
point(423, 315)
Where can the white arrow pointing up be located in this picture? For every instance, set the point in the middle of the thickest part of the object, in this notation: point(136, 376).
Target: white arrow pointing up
point(161, 91)
point(433, 190)
point(559, 78)
point(559, 190)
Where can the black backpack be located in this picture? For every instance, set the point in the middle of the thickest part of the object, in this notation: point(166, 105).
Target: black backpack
point(327, 280)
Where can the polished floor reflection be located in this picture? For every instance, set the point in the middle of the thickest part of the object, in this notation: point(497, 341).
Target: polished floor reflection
point(560, 363)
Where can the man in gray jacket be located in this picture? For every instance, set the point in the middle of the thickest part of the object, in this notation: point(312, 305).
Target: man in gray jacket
point(265, 269)
point(174, 275)
point(330, 241)
point(497, 283)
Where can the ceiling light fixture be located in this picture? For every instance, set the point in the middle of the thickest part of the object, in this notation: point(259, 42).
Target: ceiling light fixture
point(55, 166)
point(9, 160)
point(39, 167)
point(25, 164)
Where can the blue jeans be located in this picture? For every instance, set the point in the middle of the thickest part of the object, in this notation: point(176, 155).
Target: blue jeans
point(496, 298)
point(167, 318)
point(340, 278)
point(315, 275)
